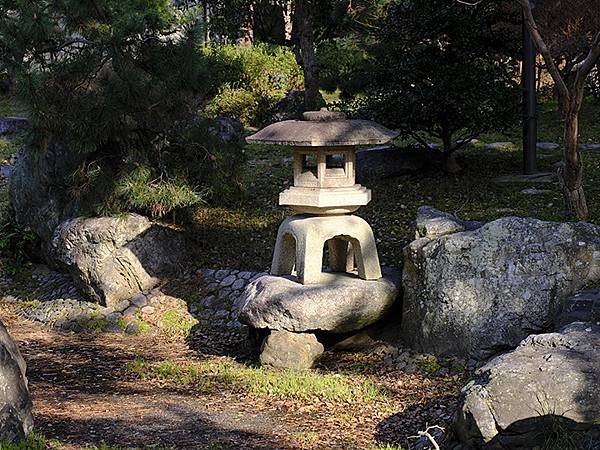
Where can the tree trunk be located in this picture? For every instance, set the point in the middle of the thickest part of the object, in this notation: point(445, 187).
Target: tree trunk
point(248, 28)
point(449, 163)
point(305, 53)
point(570, 172)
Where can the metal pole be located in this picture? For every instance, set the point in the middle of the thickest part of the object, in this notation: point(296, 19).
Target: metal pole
point(528, 80)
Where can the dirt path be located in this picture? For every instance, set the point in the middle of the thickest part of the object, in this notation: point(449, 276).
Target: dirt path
point(82, 395)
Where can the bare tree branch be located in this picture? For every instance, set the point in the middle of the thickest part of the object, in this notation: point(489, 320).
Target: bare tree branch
point(585, 67)
point(543, 49)
point(429, 436)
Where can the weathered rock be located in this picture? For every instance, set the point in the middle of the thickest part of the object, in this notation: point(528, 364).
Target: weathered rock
point(588, 147)
point(549, 379)
point(113, 259)
point(97, 254)
point(16, 420)
point(432, 223)
point(11, 125)
point(285, 350)
point(227, 130)
point(547, 145)
point(38, 188)
point(581, 307)
point(499, 146)
point(341, 303)
point(478, 292)
point(291, 106)
point(388, 161)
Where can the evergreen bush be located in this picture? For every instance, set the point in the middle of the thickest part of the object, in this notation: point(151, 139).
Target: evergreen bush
point(255, 78)
point(120, 84)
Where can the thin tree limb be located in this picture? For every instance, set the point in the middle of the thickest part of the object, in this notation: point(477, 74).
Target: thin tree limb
point(543, 49)
point(585, 67)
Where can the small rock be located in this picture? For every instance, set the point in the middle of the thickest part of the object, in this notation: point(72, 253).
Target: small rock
point(587, 147)
point(113, 328)
point(139, 300)
point(228, 281)
point(221, 274)
point(131, 311)
point(239, 284)
point(121, 306)
point(208, 273)
point(148, 310)
point(547, 145)
point(285, 350)
point(132, 328)
point(113, 317)
point(499, 146)
point(209, 302)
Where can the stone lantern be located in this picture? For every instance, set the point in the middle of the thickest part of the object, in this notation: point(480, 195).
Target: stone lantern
point(324, 195)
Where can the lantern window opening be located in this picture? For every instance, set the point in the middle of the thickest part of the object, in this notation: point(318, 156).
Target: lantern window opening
point(310, 163)
point(336, 165)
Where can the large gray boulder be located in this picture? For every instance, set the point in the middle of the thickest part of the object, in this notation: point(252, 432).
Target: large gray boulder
point(39, 187)
point(16, 420)
point(476, 293)
point(548, 388)
point(345, 303)
point(115, 258)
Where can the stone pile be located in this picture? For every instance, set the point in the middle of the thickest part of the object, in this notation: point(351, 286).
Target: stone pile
point(295, 313)
point(218, 309)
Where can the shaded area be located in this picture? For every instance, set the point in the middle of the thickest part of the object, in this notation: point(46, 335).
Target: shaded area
point(398, 428)
point(548, 432)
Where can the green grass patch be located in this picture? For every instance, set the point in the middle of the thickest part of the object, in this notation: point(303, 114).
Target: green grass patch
point(287, 384)
point(37, 441)
point(177, 324)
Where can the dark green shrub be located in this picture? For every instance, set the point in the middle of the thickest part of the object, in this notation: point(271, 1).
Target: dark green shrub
point(445, 70)
point(254, 78)
point(17, 244)
point(343, 65)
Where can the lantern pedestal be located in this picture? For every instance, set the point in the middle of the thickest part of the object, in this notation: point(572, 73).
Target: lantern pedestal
point(301, 240)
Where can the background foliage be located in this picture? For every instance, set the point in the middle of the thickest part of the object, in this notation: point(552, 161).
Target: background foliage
point(444, 69)
point(254, 79)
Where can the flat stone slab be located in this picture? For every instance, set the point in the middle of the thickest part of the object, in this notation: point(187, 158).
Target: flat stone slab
point(341, 303)
point(499, 146)
point(589, 147)
point(541, 177)
point(547, 145)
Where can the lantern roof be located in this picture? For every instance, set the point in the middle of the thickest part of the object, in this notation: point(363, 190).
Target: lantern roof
point(323, 129)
